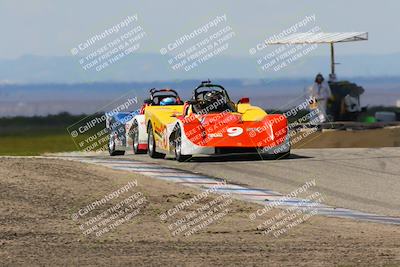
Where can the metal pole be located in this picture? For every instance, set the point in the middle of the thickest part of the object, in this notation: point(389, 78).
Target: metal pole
point(332, 61)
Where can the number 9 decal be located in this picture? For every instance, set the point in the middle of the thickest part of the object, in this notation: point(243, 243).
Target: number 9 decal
point(234, 131)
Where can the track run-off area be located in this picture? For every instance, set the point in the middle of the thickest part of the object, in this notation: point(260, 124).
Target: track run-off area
point(356, 183)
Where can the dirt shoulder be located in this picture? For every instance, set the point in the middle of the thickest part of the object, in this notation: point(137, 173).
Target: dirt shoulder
point(385, 137)
point(38, 197)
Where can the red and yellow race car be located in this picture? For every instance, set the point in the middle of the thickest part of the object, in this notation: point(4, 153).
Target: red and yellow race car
point(210, 123)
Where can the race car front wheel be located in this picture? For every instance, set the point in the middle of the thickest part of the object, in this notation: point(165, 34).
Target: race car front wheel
point(178, 147)
point(111, 148)
point(151, 144)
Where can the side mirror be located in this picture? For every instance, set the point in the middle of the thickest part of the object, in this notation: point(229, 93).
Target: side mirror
point(244, 100)
point(148, 101)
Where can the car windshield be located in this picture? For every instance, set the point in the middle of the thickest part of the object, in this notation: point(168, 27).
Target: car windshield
point(212, 100)
point(158, 97)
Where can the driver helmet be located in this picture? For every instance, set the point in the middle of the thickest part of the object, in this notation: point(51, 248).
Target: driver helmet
point(168, 101)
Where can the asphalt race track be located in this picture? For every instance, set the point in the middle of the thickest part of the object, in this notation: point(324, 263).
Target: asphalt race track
point(363, 179)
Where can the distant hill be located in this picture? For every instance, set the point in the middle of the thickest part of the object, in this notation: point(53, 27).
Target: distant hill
point(154, 67)
point(52, 98)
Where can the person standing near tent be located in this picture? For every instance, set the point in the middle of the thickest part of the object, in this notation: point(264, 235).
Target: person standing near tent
point(320, 93)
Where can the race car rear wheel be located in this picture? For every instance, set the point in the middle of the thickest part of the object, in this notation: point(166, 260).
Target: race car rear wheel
point(111, 148)
point(135, 138)
point(178, 147)
point(151, 144)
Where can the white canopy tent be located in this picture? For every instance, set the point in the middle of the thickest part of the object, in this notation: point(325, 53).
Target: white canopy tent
point(321, 38)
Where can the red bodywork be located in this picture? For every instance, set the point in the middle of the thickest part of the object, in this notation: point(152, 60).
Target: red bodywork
point(228, 130)
point(142, 146)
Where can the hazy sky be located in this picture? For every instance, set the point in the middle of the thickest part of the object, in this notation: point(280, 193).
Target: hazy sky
point(52, 28)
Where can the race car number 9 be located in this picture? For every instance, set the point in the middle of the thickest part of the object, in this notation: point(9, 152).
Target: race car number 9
point(234, 131)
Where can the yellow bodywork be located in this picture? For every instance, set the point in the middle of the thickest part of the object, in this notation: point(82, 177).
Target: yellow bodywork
point(251, 113)
point(160, 117)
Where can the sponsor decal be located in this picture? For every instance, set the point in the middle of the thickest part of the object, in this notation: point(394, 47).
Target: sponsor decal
point(234, 131)
point(215, 135)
